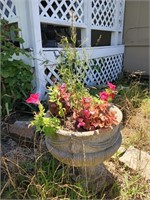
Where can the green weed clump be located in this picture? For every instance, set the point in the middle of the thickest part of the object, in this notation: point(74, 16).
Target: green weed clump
point(133, 187)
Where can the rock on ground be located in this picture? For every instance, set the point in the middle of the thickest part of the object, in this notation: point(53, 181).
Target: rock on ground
point(137, 160)
point(22, 129)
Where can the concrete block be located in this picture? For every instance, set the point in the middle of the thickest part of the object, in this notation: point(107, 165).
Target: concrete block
point(22, 129)
point(137, 160)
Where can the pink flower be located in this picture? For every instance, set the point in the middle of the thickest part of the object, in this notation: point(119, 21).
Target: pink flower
point(87, 114)
point(63, 87)
point(34, 98)
point(111, 86)
point(81, 123)
point(104, 96)
point(86, 101)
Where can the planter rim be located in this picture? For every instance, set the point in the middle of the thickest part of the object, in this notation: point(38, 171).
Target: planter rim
point(94, 132)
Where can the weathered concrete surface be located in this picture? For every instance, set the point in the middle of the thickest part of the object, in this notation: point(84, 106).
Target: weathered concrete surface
point(137, 160)
point(22, 129)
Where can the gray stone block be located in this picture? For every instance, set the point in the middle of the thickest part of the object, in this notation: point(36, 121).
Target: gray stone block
point(137, 160)
point(22, 129)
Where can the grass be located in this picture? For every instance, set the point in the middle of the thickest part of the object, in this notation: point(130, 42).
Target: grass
point(132, 188)
point(136, 110)
point(46, 178)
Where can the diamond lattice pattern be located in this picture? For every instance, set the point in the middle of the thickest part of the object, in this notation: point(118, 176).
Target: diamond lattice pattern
point(103, 13)
point(7, 9)
point(99, 71)
point(103, 69)
point(51, 74)
point(61, 10)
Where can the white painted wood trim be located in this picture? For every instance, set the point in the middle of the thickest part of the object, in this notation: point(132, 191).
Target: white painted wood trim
point(35, 31)
point(86, 33)
point(60, 22)
point(94, 27)
point(92, 52)
point(13, 20)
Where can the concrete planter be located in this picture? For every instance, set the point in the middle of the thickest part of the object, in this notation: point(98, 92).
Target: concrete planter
point(87, 150)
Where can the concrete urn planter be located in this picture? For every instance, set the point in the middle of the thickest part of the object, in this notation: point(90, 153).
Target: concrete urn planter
point(86, 151)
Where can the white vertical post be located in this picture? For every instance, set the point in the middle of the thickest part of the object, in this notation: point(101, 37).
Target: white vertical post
point(29, 23)
point(86, 32)
point(23, 21)
point(114, 35)
point(122, 19)
point(36, 41)
point(114, 38)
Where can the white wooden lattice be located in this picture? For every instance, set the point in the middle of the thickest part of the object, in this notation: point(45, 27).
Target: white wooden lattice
point(103, 13)
point(88, 14)
point(100, 70)
point(103, 69)
point(51, 74)
point(7, 9)
point(61, 10)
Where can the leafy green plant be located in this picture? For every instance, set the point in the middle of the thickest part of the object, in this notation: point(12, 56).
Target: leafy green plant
point(59, 101)
point(16, 76)
point(72, 67)
point(43, 123)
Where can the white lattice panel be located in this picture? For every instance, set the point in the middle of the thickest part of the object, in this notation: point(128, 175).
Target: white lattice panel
point(7, 9)
point(51, 74)
point(103, 13)
point(99, 71)
point(104, 69)
point(61, 10)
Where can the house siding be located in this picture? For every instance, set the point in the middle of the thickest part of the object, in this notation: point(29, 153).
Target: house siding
point(136, 36)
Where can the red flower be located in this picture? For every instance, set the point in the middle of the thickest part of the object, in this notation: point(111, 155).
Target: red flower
point(111, 86)
point(112, 95)
point(34, 98)
point(104, 96)
point(81, 123)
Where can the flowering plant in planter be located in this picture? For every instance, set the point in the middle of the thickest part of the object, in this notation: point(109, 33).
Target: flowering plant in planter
point(74, 111)
point(70, 104)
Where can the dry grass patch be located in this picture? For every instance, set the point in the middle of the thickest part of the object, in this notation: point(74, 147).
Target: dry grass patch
point(137, 131)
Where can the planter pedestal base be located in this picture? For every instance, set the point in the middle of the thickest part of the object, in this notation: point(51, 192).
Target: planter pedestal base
point(93, 179)
point(86, 152)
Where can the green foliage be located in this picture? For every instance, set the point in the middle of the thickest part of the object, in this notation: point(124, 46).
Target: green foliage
point(133, 188)
point(16, 76)
point(70, 63)
point(55, 96)
point(48, 125)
